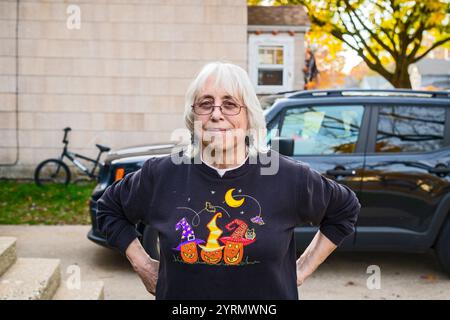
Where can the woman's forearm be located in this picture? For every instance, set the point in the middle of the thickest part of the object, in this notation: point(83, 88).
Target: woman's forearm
point(136, 252)
point(314, 255)
point(143, 264)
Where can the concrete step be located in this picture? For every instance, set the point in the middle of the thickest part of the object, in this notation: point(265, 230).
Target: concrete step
point(7, 253)
point(30, 279)
point(89, 290)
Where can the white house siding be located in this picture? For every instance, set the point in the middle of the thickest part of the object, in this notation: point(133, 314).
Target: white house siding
point(119, 80)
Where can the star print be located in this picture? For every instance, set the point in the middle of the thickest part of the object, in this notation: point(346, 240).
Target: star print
point(242, 212)
point(212, 191)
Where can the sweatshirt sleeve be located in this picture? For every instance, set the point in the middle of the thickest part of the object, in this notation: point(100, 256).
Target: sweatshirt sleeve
point(123, 205)
point(324, 202)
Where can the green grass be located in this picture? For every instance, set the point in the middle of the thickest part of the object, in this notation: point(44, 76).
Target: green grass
point(26, 203)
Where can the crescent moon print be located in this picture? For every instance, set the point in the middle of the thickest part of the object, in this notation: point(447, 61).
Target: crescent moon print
point(232, 202)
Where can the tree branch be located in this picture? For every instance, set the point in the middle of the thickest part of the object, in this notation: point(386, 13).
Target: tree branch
point(391, 39)
point(378, 68)
point(392, 52)
point(366, 46)
point(435, 45)
point(417, 36)
point(375, 3)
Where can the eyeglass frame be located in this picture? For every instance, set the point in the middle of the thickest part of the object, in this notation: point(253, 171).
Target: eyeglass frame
point(220, 107)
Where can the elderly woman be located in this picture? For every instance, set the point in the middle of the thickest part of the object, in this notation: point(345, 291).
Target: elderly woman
point(226, 228)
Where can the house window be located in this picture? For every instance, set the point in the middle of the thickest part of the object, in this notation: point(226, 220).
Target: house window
point(271, 63)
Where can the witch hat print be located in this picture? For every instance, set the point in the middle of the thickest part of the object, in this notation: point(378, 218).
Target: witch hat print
point(234, 244)
point(212, 252)
point(188, 244)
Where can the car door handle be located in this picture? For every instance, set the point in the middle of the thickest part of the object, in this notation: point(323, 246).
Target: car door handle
point(341, 172)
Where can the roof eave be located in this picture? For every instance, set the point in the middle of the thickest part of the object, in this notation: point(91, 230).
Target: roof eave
point(279, 28)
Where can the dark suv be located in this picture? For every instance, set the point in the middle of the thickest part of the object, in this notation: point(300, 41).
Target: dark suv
point(391, 147)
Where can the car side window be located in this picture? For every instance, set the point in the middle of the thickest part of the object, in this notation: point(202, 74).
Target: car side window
point(410, 129)
point(323, 130)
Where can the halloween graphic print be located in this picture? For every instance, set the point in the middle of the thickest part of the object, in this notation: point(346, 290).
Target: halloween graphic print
point(230, 230)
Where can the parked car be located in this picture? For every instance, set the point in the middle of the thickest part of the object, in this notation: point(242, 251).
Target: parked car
point(392, 148)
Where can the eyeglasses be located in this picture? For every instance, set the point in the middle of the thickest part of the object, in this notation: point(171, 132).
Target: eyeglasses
point(228, 108)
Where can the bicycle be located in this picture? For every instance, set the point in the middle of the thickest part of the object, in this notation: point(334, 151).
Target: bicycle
point(56, 171)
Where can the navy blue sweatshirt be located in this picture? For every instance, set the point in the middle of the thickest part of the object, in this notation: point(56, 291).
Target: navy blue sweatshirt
point(229, 237)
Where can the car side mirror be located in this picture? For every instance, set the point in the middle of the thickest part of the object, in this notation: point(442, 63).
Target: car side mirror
point(284, 146)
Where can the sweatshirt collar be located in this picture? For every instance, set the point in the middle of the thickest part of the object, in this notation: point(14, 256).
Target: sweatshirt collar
point(224, 170)
point(229, 174)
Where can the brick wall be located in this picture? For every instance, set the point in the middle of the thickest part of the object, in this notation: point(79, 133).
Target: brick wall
point(119, 80)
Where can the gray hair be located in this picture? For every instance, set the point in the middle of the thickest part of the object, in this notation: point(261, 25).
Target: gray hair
point(235, 81)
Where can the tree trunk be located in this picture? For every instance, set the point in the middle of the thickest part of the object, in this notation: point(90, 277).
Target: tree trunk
point(401, 78)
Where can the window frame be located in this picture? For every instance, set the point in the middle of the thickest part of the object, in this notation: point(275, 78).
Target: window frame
point(287, 42)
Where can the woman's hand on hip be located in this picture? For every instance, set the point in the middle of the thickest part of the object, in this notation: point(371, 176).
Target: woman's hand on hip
point(148, 272)
point(146, 267)
point(302, 274)
point(315, 254)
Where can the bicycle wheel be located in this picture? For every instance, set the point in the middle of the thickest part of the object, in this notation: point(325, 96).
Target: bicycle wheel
point(52, 171)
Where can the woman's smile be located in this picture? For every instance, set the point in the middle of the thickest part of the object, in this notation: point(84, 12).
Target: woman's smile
point(217, 129)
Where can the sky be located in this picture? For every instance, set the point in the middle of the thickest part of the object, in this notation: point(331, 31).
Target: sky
point(351, 60)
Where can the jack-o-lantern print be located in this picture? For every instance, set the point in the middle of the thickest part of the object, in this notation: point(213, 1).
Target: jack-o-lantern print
point(188, 244)
point(189, 252)
point(211, 257)
point(233, 253)
point(230, 249)
point(212, 252)
point(234, 244)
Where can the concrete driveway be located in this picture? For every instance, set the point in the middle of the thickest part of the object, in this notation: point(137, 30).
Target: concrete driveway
point(342, 276)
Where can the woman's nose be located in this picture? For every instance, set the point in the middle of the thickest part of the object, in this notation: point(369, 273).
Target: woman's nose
point(217, 112)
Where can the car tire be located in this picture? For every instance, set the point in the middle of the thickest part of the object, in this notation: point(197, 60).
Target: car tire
point(443, 247)
point(150, 242)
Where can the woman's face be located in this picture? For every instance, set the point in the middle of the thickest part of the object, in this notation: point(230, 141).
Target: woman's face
point(219, 131)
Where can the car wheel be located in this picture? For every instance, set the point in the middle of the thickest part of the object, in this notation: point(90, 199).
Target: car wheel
point(150, 242)
point(443, 246)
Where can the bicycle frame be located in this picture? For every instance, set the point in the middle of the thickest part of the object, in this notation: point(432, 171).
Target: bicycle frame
point(72, 157)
